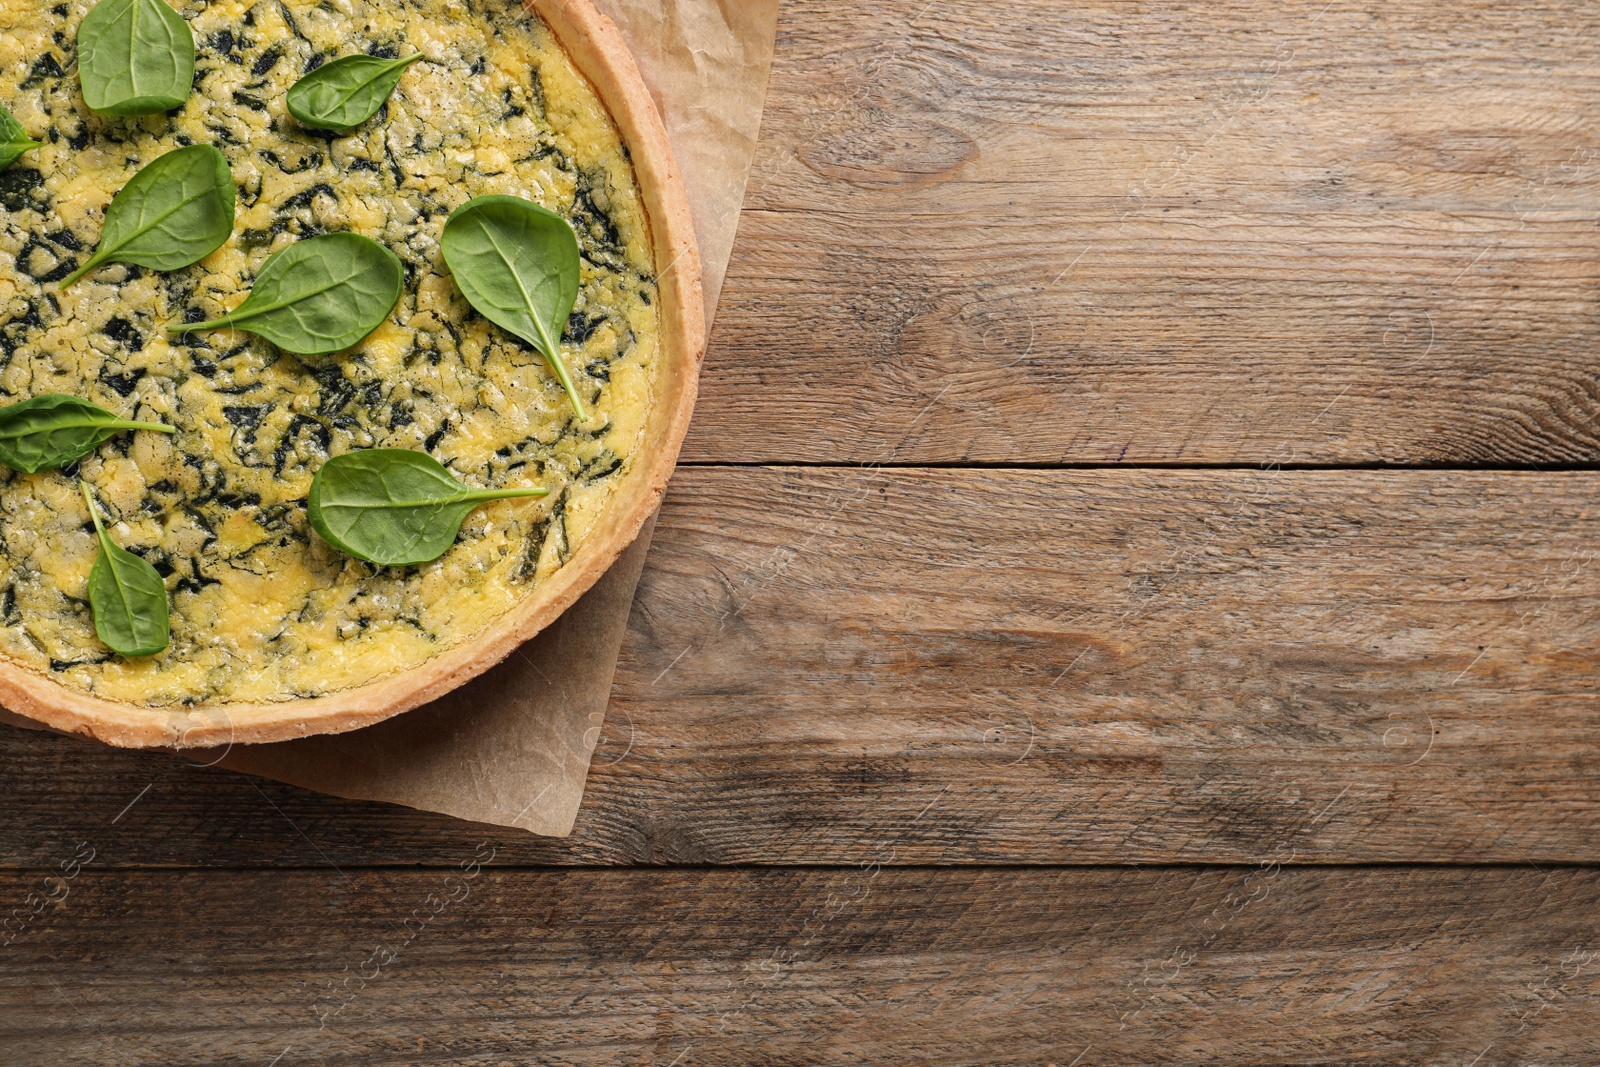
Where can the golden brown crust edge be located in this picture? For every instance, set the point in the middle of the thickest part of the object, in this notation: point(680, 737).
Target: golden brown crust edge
point(600, 54)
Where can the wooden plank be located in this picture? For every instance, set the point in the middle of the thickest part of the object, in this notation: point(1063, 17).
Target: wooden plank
point(948, 666)
point(863, 966)
point(1167, 233)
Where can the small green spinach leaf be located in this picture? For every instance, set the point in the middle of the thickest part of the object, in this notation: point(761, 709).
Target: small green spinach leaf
point(392, 506)
point(127, 596)
point(317, 296)
point(14, 140)
point(517, 264)
point(346, 92)
point(175, 212)
point(135, 57)
point(52, 430)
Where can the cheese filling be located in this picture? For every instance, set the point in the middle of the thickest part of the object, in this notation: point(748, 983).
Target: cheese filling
point(262, 609)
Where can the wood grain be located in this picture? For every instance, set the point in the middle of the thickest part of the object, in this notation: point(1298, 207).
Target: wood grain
point(1167, 234)
point(830, 666)
point(862, 966)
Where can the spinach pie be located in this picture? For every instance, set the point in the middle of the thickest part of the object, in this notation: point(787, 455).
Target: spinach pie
point(521, 128)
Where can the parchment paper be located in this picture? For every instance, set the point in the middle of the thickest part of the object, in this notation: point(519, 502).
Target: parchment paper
point(513, 747)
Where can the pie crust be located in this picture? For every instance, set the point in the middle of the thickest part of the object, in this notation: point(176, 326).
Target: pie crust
point(598, 51)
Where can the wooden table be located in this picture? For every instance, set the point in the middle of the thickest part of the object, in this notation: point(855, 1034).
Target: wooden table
point(1131, 596)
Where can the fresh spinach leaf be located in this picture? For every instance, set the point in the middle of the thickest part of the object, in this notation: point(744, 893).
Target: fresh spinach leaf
point(14, 140)
point(127, 596)
point(392, 506)
point(52, 430)
point(517, 264)
point(176, 211)
point(346, 92)
point(317, 296)
point(135, 57)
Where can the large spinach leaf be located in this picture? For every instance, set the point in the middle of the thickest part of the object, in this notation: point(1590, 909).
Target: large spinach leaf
point(518, 265)
point(173, 213)
point(135, 57)
point(127, 596)
point(392, 506)
point(52, 430)
point(346, 92)
point(317, 296)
